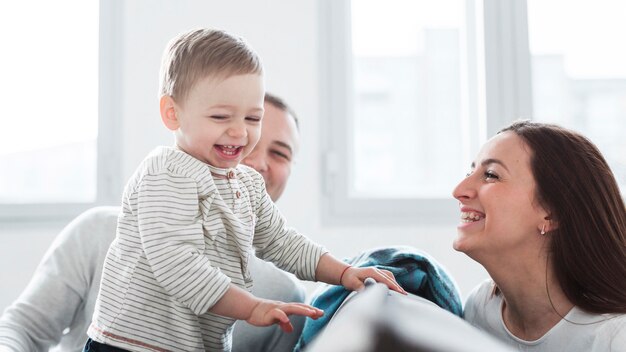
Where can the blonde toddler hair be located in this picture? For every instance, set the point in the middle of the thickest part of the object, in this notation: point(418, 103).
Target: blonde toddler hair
point(199, 53)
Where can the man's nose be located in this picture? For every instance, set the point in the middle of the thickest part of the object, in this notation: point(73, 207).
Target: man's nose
point(256, 161)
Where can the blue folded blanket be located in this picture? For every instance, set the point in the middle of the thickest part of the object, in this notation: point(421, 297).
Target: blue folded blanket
point(415, 271)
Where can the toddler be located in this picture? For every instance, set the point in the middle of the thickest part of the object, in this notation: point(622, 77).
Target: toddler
point(176, 277)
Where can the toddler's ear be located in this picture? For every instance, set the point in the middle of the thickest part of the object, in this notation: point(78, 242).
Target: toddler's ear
point(168, 113)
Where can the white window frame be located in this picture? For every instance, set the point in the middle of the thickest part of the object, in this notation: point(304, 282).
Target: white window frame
point(109, 133)
point(499, 60)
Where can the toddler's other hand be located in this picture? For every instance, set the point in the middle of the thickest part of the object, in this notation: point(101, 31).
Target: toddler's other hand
point(268, 312)
point(354, 278)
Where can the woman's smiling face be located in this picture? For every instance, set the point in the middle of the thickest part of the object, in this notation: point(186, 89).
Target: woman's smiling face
point(499, 213)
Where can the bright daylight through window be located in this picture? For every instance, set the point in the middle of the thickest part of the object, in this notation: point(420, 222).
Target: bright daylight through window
point(50, 93)
point(407, 83)
point(579, 71)
point(414, 87)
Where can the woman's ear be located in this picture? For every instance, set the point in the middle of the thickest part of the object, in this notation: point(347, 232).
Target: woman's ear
point(552, 223)
point(168, 113)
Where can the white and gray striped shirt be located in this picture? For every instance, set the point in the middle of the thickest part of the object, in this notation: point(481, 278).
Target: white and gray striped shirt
point(185, 233)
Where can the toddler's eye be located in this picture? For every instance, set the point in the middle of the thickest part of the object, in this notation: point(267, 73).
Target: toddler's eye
point(218, 117)
point(253, 118)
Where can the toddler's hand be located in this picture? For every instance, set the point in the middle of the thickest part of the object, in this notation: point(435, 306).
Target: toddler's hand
point(353, 278)
point(268, 312)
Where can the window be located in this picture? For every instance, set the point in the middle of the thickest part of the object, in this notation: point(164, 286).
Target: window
point(578, 71)
point(56, 144)
point(406, 82)
point(410, 89)
point(404, 92)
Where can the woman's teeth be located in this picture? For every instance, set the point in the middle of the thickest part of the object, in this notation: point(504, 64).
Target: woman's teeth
point(470, 216)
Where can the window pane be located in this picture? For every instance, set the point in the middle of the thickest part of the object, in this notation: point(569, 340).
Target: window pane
point(50, 94)
point(579, 71)
point(407, 98)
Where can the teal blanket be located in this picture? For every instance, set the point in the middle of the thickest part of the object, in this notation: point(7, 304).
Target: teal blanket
point(415, 271)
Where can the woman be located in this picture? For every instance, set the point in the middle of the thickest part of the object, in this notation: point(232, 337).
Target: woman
point(542, 212)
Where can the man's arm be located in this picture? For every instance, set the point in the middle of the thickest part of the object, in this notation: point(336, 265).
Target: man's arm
point(50, 302)
point(36, 320)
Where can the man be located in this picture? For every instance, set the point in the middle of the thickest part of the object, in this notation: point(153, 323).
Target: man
point(274, 153)
point(56, 307)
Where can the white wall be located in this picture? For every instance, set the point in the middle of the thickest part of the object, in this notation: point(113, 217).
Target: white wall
point(285, 34)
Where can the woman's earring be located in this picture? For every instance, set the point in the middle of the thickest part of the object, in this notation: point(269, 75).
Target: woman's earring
point(543, 229)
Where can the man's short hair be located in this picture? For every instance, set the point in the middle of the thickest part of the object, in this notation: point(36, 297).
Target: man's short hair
point(280, 103)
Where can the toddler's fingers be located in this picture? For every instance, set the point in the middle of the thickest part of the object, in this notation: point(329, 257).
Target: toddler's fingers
point(389, 274)
point(280, 315)
point(301, 309)
point(388, 279)
point(386, 273)
point(281, 319)
point(286, 327)
point(316, 312)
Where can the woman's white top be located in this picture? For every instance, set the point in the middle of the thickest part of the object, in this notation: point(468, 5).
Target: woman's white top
point(591, 333)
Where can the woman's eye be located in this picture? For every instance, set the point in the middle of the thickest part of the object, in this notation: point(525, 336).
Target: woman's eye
point(490, 176)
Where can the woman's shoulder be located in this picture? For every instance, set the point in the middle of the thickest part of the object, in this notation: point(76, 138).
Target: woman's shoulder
point(594, 332)
point(613, 331)
point(480, 301)
point(482, 292)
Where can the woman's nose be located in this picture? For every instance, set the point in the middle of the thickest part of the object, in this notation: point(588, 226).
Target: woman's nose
point(464, 190)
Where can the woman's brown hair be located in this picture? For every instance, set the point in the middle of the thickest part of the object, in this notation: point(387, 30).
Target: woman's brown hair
point(575, 184)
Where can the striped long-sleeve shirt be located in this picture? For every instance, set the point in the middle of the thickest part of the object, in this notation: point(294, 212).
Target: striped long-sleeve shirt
point(184, 235)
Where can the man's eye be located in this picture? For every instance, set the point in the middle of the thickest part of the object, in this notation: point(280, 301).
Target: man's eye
point(281, 155)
